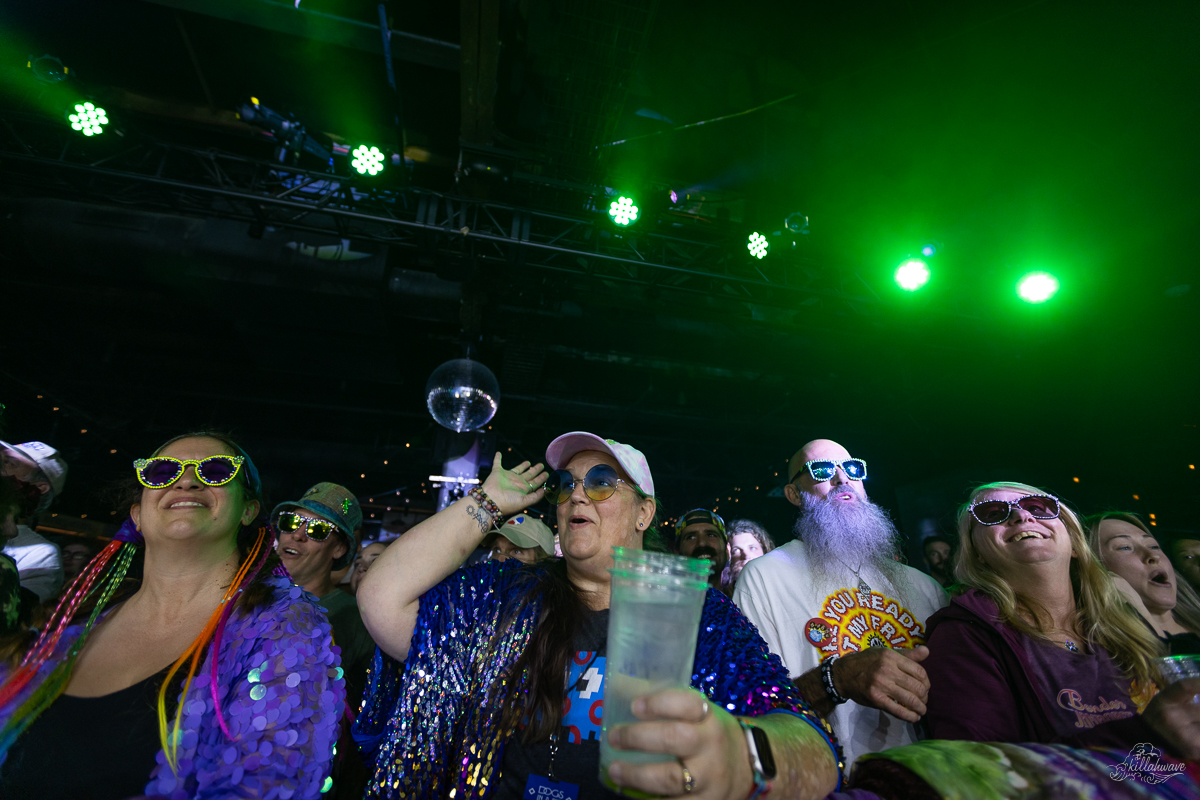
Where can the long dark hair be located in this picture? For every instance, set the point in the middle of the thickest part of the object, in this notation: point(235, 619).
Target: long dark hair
point(544, 662)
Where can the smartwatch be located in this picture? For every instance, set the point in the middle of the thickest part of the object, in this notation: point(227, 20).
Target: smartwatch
point(762, 762)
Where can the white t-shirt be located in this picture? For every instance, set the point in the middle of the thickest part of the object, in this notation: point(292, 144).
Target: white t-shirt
point(38, 562)
point(804, 625)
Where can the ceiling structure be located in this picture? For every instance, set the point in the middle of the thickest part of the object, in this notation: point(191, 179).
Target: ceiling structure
point(178, 275)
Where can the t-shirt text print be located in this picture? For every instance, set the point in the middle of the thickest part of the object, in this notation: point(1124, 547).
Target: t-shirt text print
point(851, 620)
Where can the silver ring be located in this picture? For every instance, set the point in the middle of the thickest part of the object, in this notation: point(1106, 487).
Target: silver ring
point(689, 783)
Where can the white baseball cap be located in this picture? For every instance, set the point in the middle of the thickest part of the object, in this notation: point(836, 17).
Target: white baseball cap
point(564, 448)
point(47, 459)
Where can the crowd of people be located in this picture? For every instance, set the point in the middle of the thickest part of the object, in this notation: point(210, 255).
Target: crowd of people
point(221, 649)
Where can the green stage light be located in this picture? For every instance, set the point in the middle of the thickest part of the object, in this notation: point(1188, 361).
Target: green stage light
point(367, 160)
point(623, 211)
point(88, 119)
point(912, 274)
point(1037, 287)
point(758, 245)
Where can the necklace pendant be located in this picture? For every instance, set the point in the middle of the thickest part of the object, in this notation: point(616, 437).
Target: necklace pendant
point(1071, 646)
point(863, 586)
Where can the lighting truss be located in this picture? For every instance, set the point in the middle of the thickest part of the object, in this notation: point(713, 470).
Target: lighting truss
point(39, 160)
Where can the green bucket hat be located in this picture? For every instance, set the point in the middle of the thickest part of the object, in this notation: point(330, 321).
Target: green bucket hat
point(334, 504)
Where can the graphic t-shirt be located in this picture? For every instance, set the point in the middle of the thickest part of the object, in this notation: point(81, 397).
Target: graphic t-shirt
point(1083, 689)
point(805, 625)
point(578, 758)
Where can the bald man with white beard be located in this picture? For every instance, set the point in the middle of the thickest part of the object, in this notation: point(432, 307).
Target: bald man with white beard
point(839, 608)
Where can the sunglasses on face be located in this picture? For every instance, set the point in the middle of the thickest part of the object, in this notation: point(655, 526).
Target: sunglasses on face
point(316, 529)
point(994, 512)
point(822, 470)
point(161, 471)
point(600, 483)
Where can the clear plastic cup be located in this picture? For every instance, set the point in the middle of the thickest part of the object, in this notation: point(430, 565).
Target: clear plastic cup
point(1173, 668)
point(652, 625)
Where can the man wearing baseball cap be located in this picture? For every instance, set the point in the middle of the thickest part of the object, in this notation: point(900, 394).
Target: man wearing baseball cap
point(319, 534)
point(38, 559)
point(524, 538)
point(700, 533)
point(35, 463)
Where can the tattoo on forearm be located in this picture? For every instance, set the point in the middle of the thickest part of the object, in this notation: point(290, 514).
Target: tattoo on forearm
point(479, 515)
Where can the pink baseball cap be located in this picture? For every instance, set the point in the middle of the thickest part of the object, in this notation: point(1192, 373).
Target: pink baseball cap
point(564, 448)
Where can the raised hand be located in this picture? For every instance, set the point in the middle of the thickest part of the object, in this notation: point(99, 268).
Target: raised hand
point(390, 592)
point(515, 489)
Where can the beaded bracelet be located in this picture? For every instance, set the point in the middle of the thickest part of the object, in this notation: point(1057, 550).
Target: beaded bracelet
point(827, 681)
point(485, 502)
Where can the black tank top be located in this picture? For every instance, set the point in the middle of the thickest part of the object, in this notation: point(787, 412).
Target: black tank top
point(88, 748)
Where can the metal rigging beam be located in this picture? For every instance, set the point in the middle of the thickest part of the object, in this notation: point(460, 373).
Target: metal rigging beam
point(42, 158)
point(322, 27)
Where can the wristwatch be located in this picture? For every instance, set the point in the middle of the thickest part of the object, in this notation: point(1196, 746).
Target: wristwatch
point(762, 762)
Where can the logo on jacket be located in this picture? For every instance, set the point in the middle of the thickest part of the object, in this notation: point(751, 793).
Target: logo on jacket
point(1147, 763)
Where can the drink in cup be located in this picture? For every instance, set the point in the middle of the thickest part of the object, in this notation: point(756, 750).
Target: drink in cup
point(1176, 668)
point(655, 615)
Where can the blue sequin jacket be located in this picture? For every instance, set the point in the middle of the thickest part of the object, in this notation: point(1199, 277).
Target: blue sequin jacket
point(432, 725)
point(282, 694)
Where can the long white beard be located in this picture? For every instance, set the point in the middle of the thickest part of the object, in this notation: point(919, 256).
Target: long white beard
point(839, 537)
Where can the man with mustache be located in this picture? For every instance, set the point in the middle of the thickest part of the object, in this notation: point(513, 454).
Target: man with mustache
point(939, 555)
point(700, 533)
point(846, 617)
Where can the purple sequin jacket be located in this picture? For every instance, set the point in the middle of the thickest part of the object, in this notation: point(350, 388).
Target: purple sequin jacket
point(282, 694)
point(432, 726)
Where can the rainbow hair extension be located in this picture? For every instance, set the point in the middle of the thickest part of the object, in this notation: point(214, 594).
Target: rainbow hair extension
point(103, 574)
point(213, 630)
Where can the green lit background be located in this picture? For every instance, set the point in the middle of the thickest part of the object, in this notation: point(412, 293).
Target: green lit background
point(1024, 139)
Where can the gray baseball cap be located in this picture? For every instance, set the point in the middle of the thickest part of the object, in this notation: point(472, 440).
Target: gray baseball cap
point(49, 461)
point(524, 530)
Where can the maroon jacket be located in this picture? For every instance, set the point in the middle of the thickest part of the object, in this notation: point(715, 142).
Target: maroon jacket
point(981, 687)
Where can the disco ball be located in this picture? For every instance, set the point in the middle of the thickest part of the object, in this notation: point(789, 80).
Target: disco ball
point(462, 395)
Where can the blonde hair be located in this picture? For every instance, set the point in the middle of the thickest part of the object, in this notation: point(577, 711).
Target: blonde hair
point(1101, 612)
point(1187, 602)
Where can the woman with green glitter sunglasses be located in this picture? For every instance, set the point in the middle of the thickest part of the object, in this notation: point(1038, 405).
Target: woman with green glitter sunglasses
point(209, 674)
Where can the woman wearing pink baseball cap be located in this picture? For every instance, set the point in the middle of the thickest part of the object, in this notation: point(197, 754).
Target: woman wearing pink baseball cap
point(502, 688)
